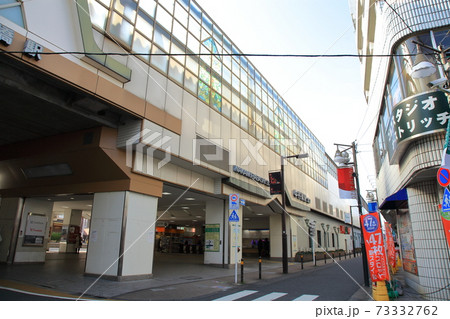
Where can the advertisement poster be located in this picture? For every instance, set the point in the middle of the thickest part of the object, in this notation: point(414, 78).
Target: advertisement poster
point(390, 245)
point(35, 230)
point(212, 237)
point(375, 249)
point(407, 244)
point(275, 183)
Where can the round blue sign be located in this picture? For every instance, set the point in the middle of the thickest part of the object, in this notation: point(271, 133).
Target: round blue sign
point(370, 223)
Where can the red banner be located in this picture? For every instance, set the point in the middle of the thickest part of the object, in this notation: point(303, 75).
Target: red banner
point(390, 245)
point(375, 250)
point(346, 182)
point(446, 223)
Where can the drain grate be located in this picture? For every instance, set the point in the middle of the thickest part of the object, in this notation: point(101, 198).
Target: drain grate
point(191, 278)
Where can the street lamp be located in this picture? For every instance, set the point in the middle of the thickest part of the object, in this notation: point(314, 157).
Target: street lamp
point(283, 214)
point(343, 158)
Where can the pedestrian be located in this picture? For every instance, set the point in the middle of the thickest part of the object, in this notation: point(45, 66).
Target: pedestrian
point(79, 242)
point(260, 247)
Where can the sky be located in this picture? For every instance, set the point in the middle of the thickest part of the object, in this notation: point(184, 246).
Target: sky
point(326, 93)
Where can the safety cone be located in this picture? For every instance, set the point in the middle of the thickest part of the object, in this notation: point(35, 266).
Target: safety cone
point(379, 291)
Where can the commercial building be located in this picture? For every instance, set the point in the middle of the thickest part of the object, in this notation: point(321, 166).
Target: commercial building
point(130, 122)
point(410, 132)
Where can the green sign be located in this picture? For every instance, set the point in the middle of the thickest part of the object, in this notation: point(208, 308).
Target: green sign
point(419, 115)
point(212, 237)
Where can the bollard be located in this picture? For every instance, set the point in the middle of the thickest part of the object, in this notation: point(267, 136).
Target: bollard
point(315, 259)
point(325, 257)
point(242, 270)
point(259, 260)
point(345, 255)
point(301, 260)
point(339, 256)
point(332, 255)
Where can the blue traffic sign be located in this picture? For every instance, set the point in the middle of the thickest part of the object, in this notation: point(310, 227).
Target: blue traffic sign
point(446, 201)
point(443, 177)
point(234, 201)
point(234, 217)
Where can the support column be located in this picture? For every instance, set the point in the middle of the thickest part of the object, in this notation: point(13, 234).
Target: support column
point(122, 235)
point(275, 236)
point(215, 215)
point(10, 215)
point(72, 219)
point(432, 252)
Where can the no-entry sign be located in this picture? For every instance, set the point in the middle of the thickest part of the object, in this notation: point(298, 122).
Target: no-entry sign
point(443, 177)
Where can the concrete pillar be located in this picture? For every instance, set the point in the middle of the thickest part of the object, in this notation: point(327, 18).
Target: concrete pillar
point(431, 249)
point(33, 252)
point(276, 249)
point(122, 235)
point(215, 215)
point(10, 213)
point(71, 218)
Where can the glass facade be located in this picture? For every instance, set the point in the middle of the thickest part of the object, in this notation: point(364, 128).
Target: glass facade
point(178, 30)
point(12, 10)
point(403, 83)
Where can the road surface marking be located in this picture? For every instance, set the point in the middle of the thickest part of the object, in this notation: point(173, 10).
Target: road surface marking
point(236, 295)
point(271, 296)
point(306, 298)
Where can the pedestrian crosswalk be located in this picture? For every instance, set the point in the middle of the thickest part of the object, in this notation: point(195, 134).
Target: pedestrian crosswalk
point(245, 295)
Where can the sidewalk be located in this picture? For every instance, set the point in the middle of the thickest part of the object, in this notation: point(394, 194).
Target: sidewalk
point(176, 277)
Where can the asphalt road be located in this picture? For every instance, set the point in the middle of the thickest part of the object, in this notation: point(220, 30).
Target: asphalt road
point(331, 282)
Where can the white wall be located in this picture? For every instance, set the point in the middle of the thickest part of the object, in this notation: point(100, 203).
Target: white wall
point(105, 232)
point(139, 234)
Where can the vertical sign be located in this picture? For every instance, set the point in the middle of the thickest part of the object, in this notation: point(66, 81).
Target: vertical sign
point(275, 183)
point(35, 230)
point(347, 189)
point(234, 201)
point(212, 237)
point(234, 218)
point(390, 245)
point(376, 255)
point(446, 223)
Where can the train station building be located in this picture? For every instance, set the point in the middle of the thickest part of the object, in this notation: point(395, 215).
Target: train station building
point(129, 123)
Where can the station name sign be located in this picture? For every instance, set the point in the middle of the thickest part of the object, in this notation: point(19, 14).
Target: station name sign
point(300, 196)
point(256, 178)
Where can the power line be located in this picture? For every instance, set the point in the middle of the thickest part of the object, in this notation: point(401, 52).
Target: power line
point(401, 18)
point(344, 55)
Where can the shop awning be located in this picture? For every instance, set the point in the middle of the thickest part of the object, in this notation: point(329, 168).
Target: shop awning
point(396, 201)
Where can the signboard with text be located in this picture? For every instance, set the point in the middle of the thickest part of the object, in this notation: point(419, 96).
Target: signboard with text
point(390, 245)
point(212, 237)
point(446, 224)
point(375, 249)
point(275, 183)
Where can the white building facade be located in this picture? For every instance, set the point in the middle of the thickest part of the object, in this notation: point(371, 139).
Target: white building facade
point(150, 112)
point(410, 132)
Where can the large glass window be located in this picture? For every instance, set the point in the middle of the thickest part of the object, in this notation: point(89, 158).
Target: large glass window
point(228, 84)
point(12, 10)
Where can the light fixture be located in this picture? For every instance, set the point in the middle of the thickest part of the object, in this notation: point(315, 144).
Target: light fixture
point(189, 198)
point(198, 216)
point(422, 68)
point(166, 193)
point(342, 157)
point(184, 207)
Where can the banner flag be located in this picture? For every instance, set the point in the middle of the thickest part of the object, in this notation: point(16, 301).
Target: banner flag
point(375, 249)
point(347, 189)
point(446, 223)
point(390, 245)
